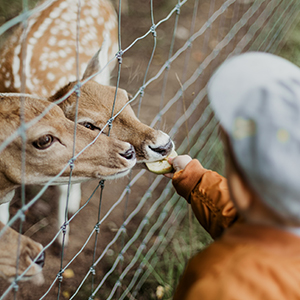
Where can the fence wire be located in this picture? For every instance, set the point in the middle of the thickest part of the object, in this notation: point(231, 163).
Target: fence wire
point(136, 220)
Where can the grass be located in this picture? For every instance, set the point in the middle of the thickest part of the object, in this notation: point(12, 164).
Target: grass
point(291, 46)
point(11, 8)
point(170, 265)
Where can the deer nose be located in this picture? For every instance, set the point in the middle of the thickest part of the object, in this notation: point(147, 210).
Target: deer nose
point(129, 154)
point(41, 260)
point(163, 150)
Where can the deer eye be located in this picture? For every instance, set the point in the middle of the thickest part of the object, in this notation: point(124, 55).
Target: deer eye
point(43, 142)
point(89, 125)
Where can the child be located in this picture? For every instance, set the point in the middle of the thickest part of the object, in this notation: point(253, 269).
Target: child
point(255, 217)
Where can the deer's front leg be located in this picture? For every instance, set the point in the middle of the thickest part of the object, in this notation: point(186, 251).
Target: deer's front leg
point(73, 206)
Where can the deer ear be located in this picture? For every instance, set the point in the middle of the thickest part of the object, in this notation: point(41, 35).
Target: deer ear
point(93, 65)
point(98, 61)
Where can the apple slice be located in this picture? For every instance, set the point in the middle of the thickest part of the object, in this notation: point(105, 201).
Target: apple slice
point(162, 166)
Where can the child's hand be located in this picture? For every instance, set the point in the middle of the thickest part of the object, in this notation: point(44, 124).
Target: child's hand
point(179, 163)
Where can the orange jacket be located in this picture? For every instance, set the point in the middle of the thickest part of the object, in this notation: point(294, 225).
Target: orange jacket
point(246, 262)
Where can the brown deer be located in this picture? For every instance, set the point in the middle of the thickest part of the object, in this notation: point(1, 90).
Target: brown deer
point(57, 74)
point(28, 252)
point(49, 147)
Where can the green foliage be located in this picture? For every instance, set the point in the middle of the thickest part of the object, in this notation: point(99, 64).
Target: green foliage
point(10, 9)
point(291, 47)
point(172, 262)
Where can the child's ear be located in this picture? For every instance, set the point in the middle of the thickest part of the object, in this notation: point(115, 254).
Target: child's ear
point(240, 192)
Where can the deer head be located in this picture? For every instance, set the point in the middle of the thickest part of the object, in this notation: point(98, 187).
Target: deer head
point(95, 105)
point(49, 146)
point(10, 242)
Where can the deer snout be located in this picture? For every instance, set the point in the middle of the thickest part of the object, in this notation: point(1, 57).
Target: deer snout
point(129, 154)
point(125, 162)
point(41, 260)
point(163, 150)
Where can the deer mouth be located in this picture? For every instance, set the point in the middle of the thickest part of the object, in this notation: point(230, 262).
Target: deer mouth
point(163, 150)
point(156, 152)
point(37, 265)
point(117, 175)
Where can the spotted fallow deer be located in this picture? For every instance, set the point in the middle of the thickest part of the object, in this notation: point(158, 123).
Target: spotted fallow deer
point(51, 46)
point(50, 69)
point(48, 149)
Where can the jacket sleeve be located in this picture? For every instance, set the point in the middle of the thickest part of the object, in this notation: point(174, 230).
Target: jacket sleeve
point(208, 194)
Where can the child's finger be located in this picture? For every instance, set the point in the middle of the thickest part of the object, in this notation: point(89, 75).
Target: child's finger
point(180, 162)
point(169, 175)
point(170, 160)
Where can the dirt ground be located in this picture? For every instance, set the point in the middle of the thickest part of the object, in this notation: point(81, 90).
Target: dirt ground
point(41, 219)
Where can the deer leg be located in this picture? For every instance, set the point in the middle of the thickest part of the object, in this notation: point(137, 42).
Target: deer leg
point(4, 213)
point(74, 198)
point(62, 205)
point(4, 207)
point(73, 206)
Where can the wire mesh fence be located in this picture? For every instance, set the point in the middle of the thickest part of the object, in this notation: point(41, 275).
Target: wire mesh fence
point(122, 235)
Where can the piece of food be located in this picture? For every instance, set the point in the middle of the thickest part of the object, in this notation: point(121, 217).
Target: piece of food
point(162, 166)
point(68, 273)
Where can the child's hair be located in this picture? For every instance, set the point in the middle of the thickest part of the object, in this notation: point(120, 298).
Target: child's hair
point(256, 97)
